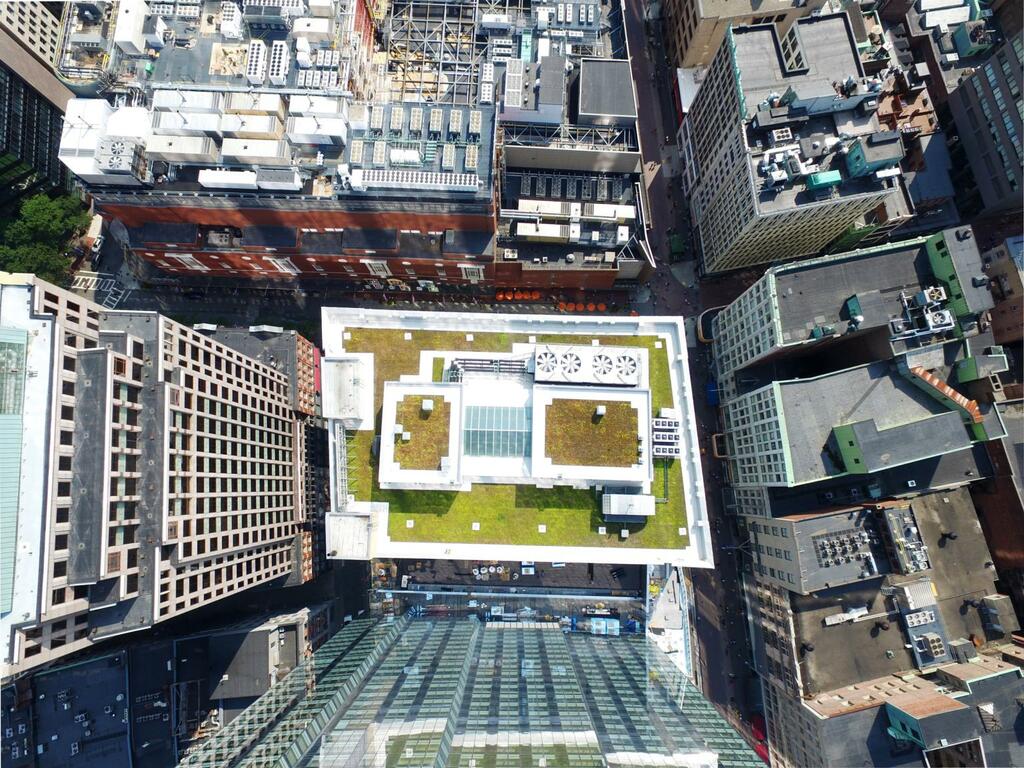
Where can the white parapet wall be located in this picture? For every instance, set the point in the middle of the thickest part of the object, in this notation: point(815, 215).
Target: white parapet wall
point(460, 472)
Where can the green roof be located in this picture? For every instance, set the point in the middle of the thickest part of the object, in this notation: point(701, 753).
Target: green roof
point(507, 513)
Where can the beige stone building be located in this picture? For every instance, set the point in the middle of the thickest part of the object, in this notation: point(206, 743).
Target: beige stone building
point(1004, 266)
point(154, 470)
point(694, 29)
point(32, 25)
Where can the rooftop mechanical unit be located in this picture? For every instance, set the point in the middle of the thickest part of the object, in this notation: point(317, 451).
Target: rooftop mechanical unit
point(416, 121)
point(256, 62)
point(436, 120)
point(377, 119)
point(608, 366)
point(448, 157)
point(455, 123)
point(280, 61)
point(397, 119)
point(355, 152)
point(419, 180)
point(487, 83)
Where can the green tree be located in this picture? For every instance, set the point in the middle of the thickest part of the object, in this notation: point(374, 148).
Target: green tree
point(48, 263)
point(47, 221)
point(35, 241)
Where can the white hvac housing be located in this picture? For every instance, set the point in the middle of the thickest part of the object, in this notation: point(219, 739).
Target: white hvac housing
point(578, 364)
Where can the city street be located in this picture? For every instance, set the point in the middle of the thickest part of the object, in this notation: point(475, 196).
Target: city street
point(723, 647)
point(657, 126)
point(722, 644)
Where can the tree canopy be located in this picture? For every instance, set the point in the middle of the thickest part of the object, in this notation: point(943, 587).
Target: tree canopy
point(36, 239)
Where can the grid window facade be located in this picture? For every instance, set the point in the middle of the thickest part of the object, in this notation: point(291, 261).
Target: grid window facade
point(753, 425)
point(215, 428)
point(438, 691)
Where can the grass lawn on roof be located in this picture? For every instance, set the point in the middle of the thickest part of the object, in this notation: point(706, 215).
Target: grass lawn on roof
point(428, 432)
point(575, 435)
point(393, 355)
point(508, 514)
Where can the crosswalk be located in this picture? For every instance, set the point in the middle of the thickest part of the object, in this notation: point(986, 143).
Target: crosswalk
point(115, 297)
point(100, 283)
point(93, 281)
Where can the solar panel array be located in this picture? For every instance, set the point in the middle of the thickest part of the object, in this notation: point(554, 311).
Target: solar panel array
point(497, 431)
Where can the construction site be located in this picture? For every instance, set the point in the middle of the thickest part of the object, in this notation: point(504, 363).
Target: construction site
point(421, 146)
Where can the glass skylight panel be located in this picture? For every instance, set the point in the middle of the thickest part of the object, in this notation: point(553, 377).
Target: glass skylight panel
point(497, 431)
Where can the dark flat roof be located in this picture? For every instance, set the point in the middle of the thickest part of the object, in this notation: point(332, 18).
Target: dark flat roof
point(321, 242)
point(934, 473)
point(816, 294)
point(813, 407)
point(848, 653)
point(606, 88)
point(932, 182)
point(370, 239)
point(164, 232)
point(269, 237)
point(88, 687)
point(967, 264)
point(829, 50)
point(904, 443)
point(459, 242)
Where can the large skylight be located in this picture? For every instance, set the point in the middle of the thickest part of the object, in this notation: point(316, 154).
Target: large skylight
point(499, 431)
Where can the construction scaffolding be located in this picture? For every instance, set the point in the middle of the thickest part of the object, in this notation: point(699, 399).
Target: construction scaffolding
point(605, 138)
point(434, 54)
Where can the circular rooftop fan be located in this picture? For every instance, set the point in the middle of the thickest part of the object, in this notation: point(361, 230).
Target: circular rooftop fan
point(625, 365)
point(547, 361)
point(602, 365)
point(571, 363)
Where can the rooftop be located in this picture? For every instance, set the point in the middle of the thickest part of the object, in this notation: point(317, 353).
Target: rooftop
point(576, 434)
point(87, 720)
point(532, 419)
point(258, 105)
point(815, 294)
point(606, 89)
point(829, 55)
point(958, 38)
point(943, 471)
point(812, 133)
point(874, 395)
point(874, 645)
point(842, 308)
point(838, 547)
